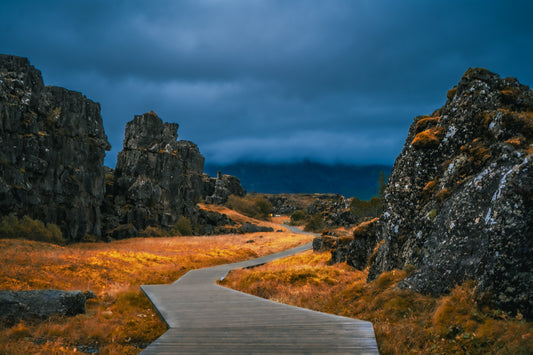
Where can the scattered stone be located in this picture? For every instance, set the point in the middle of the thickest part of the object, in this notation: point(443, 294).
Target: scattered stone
point(252, 228)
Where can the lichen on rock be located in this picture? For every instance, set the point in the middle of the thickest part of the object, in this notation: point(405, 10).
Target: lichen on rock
point(459, 200)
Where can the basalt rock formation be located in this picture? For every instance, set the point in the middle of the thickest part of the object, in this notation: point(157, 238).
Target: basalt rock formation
point(53, 147)
point(459, 202)
point(217, 190)
point(51, 164)
point(157, 178)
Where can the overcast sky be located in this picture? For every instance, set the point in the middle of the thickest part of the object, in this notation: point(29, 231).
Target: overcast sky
point(270, 80)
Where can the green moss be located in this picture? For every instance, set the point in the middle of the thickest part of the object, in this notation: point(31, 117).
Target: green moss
point(432, 214)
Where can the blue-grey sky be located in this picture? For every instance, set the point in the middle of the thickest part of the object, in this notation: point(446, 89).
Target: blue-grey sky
point(270, 80)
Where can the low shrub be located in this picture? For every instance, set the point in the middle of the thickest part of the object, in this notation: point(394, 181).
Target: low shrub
point(366, 209)
point(315, 224)
point(299, 217)
point(182, 227)
point(255, 206)
point(27, 228)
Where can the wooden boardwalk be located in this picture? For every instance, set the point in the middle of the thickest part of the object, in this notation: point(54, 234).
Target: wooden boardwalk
point(205, 318)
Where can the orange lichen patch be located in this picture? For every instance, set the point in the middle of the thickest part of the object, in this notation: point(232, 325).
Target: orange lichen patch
point(426, 122)
point(430, 186)
point(442, 194)
point(451, 93)
point(428, 138)
point(404, 321)
point(477, 152)
point(510, 95)
point(516, 141)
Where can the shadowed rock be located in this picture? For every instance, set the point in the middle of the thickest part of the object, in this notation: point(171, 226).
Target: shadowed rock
point(459, 201)
point(53, 147)
point(39, 304)
point(157, 178)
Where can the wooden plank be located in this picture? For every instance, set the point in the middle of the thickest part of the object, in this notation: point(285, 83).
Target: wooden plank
point(205, 318)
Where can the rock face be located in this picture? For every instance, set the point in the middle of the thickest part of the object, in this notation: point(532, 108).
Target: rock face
point(53, 147)
point(459, 202)
point(39, 304)
point(354, 251)
point(217, 190)
point(157, 178)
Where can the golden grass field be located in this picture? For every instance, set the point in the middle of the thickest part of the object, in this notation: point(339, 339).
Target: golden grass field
point(120, 320)
point(404, 322)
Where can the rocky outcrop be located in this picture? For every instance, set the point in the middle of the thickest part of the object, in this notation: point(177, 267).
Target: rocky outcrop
point(253, 228)
point(157, 178)
point(355, 251)
point(217, 190)
point(212, 223)
point(334, 208)
point(53, 147)
point(39, 304)
point(459, 202)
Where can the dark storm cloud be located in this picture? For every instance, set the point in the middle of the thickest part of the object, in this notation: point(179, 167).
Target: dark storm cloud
point(271, 80)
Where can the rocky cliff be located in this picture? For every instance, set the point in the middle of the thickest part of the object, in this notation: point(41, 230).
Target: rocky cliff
point(217, 189)
point(53, 147)
point(459, 202)
point(157, 178)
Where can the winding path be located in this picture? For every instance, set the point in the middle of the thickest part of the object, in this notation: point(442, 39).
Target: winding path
point(205, 318)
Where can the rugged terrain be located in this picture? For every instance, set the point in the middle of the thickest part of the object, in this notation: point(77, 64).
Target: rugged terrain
point(458, 205)
point(51, 164)
point(53, 147)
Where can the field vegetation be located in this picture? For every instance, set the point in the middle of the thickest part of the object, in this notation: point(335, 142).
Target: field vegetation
point(120, 320)
point(405, 322)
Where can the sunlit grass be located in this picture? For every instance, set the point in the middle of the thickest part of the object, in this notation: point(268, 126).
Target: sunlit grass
point(120, 320)
point(405, 322)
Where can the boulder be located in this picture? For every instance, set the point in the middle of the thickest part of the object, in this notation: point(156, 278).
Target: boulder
point(458, 205)
point(40, 304)
point(253, 228)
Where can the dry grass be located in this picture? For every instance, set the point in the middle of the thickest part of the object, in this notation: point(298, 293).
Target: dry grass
point(405, 322)
point(121, 320)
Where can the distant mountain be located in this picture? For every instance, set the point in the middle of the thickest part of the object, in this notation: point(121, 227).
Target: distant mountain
point(305, 177)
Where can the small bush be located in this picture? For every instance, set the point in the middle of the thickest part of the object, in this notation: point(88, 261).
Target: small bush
point(298, 217)
point(315, 224)
point(255, 206)
point(366, 209)
point(153, 232)
point(182, 227)
point(28, 228)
